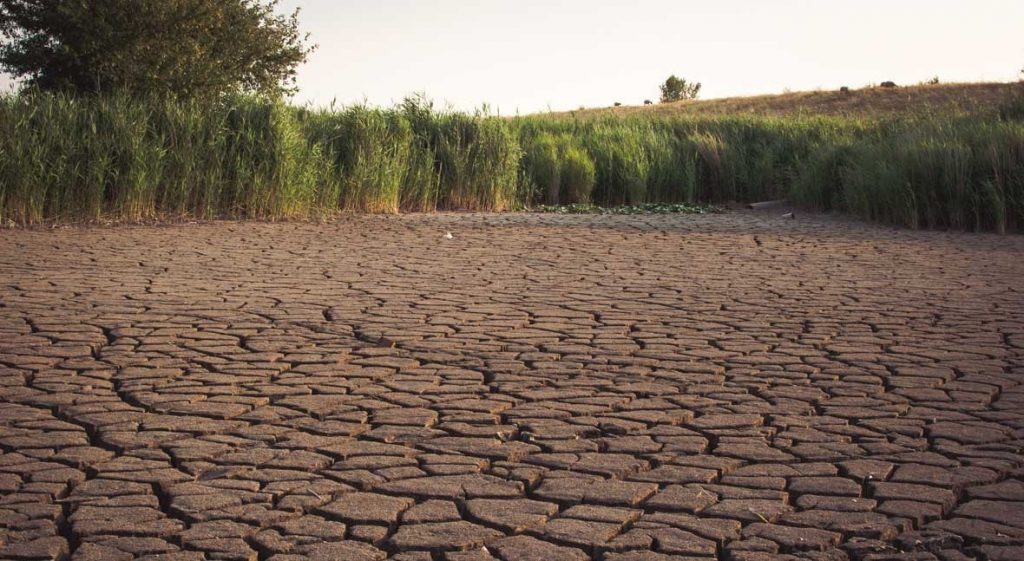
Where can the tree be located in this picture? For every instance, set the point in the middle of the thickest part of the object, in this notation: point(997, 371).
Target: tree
point(185, 48)
point(675, 89)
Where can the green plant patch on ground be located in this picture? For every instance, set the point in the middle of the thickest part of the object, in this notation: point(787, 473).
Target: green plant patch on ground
point(645, 208)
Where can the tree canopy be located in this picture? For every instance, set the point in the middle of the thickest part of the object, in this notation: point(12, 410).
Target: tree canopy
point(185, 48)
point(675, 89)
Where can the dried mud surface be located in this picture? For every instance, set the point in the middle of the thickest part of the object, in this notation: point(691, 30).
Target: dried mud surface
point(537, 388)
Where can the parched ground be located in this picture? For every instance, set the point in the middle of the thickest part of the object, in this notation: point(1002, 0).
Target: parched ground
point(538, 388)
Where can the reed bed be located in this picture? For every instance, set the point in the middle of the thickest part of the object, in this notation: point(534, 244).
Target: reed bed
point(115, 157)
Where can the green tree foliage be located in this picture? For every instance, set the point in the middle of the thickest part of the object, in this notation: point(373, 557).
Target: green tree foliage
point(186, 48)
point(676, 89)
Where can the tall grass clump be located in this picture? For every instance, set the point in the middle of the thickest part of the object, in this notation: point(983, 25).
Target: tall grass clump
point(685, 159)
point(545, 170)
point(956, 174)
point(62, 157)
point(816, 179)
point(671, 175)
point(193, 140)
point(74, 158)
point(421, 186)
point(270, 168)
point(558, 169)
point(578, 174)
point(712, 183)
point(621, 162)
point(369, 152)
point(478, 161)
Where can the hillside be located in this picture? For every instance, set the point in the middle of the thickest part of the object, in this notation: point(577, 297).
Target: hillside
point(875, 101)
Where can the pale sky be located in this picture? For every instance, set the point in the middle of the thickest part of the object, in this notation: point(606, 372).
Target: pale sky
point(532, 55)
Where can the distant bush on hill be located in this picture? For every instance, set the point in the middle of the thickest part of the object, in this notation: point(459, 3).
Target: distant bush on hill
point(677, 89)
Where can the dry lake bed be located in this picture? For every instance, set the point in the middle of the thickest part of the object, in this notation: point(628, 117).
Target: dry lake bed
point(536, 388)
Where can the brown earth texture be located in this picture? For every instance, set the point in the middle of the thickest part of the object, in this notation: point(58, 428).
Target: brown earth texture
point(536, 388)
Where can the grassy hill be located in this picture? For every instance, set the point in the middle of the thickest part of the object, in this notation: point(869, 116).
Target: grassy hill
point(982, 98)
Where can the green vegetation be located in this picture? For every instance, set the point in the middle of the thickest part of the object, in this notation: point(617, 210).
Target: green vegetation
point(91, 157)
point(560, 168)
point(678, 89)
point(960, 174)
point(183, 48)
point(66, 157)
point(156, 109)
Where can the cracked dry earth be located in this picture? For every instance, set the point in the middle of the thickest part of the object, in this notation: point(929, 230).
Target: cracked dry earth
point(539, 388)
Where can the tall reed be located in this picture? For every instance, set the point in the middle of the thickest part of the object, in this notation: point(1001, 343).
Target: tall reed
point(88, 158)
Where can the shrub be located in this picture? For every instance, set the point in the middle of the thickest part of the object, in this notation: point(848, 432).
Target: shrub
point(676, 89)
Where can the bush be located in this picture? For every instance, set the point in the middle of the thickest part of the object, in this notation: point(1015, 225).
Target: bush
point(676, 89)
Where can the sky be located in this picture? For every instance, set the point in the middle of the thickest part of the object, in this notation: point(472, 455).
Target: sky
point(525, 56)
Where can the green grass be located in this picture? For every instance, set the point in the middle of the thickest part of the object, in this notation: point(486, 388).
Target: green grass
point(96, 158)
